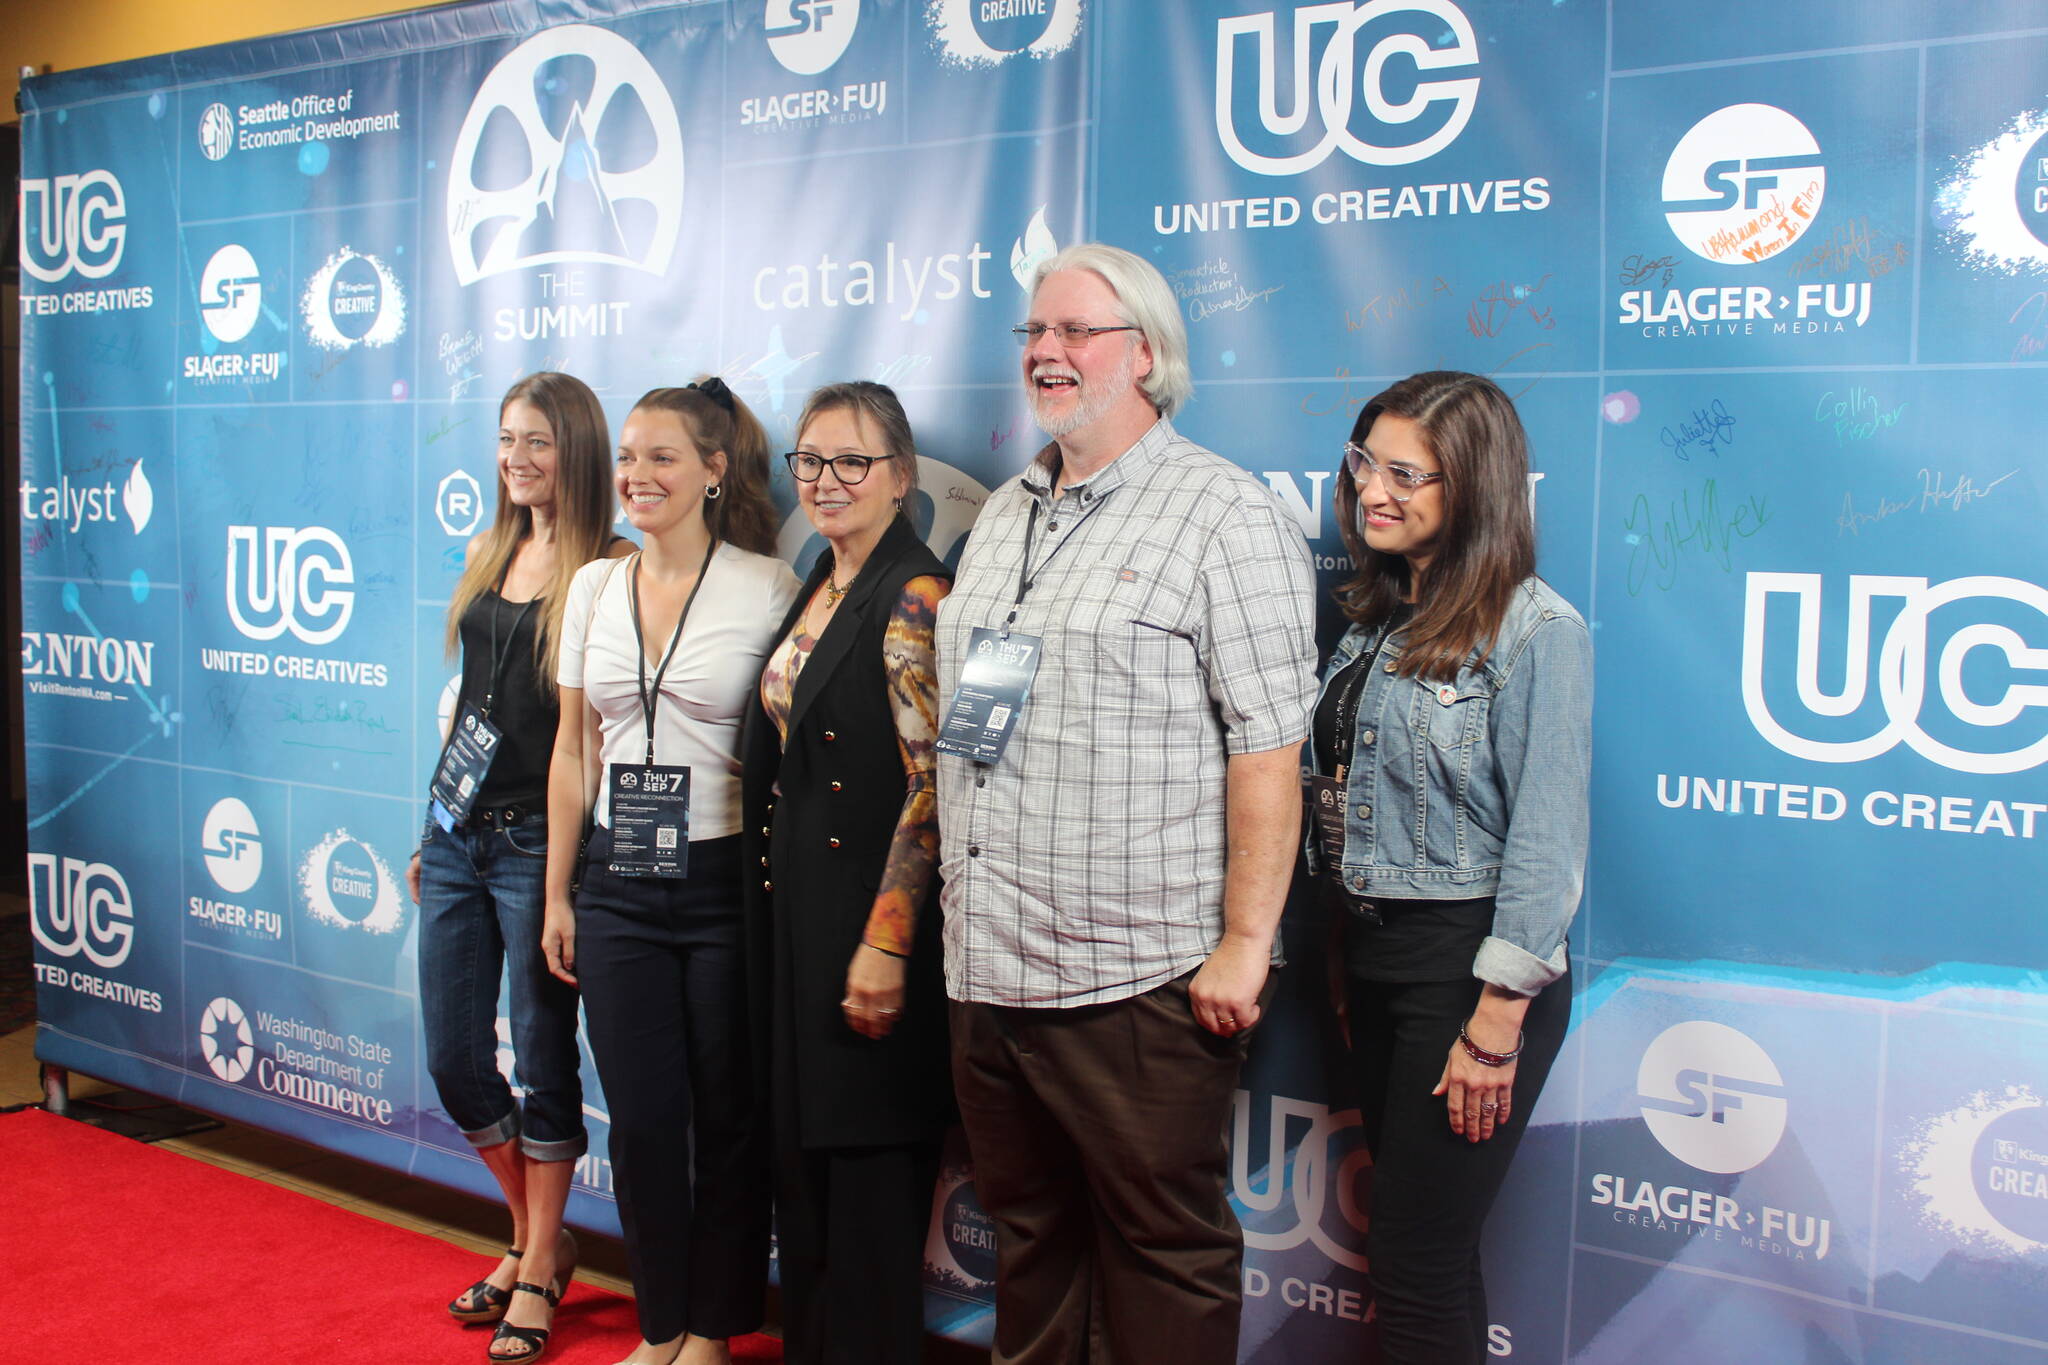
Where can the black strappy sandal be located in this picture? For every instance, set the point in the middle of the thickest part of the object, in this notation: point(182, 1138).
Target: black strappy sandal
point(491, 1301)
point(535, 1339)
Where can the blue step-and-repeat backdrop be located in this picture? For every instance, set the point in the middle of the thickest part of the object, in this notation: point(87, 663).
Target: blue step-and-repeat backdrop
point(1769, 283)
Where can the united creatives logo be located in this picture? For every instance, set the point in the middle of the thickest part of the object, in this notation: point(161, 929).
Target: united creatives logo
point(225, 1040)
point(978, 34)
point(80, 909)
point(1313, 1178)
point(808, 37)
point(347, 885)
point(1345, 99)
point(566, 208)
point(230, 303)
point(71, 507)
point(76, 227)
point(353, 299)
point(1979, 1172)
point(1715, 1100)
point(289, 578)
point(459, 503)
point(231, 844)
point(216, 131)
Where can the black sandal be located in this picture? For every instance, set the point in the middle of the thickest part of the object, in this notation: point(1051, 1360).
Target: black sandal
point(493, 1301)
point(535, 1339)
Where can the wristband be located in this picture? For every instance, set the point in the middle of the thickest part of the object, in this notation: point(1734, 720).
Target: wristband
point(1482, 1056)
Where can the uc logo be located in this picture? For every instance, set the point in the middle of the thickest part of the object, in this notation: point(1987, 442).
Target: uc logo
point(1307, 1175)
point(288, 578)
point(1903, 670)
point(72, 223)
point(1339, 78)
point(79, 907)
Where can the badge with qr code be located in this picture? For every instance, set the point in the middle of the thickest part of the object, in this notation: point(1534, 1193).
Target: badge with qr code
point(650, 818)
point(994, 683)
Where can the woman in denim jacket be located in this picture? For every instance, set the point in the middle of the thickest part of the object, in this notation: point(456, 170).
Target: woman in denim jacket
point(1448, 801)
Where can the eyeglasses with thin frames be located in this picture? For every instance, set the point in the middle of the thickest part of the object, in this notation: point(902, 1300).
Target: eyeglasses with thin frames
point(848, 469)
point(1361, 466)
point(1073, 335)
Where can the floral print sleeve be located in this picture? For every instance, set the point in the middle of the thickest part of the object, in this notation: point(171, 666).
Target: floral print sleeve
point(911, 665)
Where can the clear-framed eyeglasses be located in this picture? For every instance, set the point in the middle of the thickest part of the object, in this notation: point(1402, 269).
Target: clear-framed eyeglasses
point(1072, 335)
point(848, 469)
point(1403, 481)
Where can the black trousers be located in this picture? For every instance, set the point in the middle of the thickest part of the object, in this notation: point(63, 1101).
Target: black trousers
point(851, 1224)
point(661, 964)
point(1431, 1189)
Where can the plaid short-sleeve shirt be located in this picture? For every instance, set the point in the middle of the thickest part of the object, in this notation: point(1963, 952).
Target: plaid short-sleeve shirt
point(1175, 599)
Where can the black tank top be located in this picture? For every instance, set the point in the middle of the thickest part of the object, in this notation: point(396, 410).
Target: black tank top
point(525, 710)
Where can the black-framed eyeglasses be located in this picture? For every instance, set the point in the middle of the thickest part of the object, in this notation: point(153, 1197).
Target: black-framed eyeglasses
point(848, 469)
point(1073, 335)
point(1361, 466)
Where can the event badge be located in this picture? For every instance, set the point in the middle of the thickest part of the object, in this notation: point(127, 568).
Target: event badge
point(1326, 812)
point(650, 810)
point(993, 685)
point(472, 744)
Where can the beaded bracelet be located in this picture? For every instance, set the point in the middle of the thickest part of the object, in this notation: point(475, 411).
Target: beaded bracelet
point(1482, 1056)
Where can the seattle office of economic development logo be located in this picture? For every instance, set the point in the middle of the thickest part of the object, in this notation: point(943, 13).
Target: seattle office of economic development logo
point(289, 578)
point(80, 909)
point(216, 131)
point(347, 885)
point(225, 1039)
point(232, 845)
point(808, 36)
point(353, 299)
point(985, 33)
point(567, 206)
point(1910, 672)
point(1743, 184)
point(1711, 1096)
point(72, 225)
point(1410, 120)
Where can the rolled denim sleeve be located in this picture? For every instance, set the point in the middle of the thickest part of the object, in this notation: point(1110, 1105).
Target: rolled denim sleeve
point(1542, 736)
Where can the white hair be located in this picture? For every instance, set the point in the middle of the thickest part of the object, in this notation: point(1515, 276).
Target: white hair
point(1146, 301)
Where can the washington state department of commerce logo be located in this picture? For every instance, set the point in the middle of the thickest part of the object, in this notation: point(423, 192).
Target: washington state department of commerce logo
point(347, 885)
point(808, 36)
point(1743, 184)
point(1711, 1096)
point(225, 1040)
point(353, 299)
point(216, 131)
point(571, 152)
point(232, 845)
point(230, 293)
point(986, 33)
point(1432, 38)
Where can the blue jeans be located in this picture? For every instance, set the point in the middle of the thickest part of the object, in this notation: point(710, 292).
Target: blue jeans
point(480, 911)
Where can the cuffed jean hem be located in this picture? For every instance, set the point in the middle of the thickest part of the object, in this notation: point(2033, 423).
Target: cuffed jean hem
point(568, 1149)
point(504, 1130)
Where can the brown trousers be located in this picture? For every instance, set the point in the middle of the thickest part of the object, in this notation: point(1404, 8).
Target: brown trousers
point(1099, 1142)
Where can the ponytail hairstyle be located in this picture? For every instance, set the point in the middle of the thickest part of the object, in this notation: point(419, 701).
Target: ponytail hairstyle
point(1488, 543)
point(583, 512)
point(714, 418)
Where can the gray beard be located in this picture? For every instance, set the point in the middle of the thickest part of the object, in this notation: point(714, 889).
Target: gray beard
point(1097, 398)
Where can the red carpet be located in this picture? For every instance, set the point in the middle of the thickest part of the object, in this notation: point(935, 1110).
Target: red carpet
point(111, 1250)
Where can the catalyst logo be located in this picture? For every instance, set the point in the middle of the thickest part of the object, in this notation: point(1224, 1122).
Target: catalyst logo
point(979, 34)
point(225, 1040)
point(808, 36)
point(79, 908)
point(1743, 184)
point(353, 299)
point(1711, 1096)
point(567, 208)
point(232, 845)
point(74, 506)
point(1409, 120)
point(1033, 249)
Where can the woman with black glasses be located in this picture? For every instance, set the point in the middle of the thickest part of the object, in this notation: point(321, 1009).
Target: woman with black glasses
point(842, 839)
point(1451, 748)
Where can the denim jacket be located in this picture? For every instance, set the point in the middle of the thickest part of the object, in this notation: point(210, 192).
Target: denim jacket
point(1477, 787)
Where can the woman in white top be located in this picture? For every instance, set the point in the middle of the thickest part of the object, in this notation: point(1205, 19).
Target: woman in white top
point(661, 650)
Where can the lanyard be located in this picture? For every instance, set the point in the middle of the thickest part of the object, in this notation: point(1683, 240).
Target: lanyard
point(1025, 576)
point(649, 695)
point(498, 656)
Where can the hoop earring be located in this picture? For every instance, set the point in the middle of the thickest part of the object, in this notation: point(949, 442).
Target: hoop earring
point(899, 505)
point(712, 492)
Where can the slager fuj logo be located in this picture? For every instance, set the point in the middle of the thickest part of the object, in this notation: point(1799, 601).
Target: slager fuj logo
point(77, 908)
point(289, 578)
point(353, 299)
point(984, 33)
point(571, 152)
point(232, 845)
point(72, 224)
point(1743, 184)
point(348, 885)
point(1711, 1096)
point(225, 1040)
point(230, 293)
point(808, 36)
point(1986, 674)
point(1340, 55)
